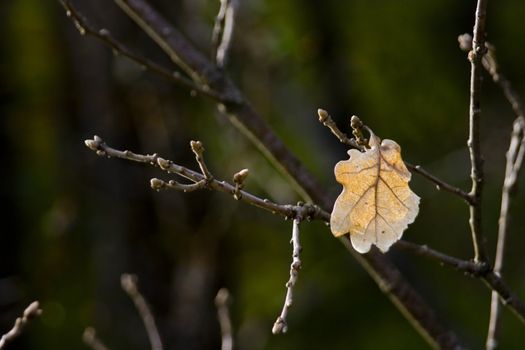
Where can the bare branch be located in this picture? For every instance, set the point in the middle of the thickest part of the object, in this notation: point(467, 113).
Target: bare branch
point(31, 312)
point(426, 322)
point(309, 211)
point(129, 285)
point(281, 325)
point(490, 64)
point(514, 157)
point(222, 302)
point(90, 339)
point(198, 150)
point(474, 145)
point(481, 270)
point(506, 295)
point(105, 36)
point(465, 266)
point(251, 124)
point(223, 31)
point(440, 184)
point(327, 121)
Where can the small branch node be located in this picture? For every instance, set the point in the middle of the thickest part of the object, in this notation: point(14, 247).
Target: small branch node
point(164, 164)
point(279, 326)
point(238, 180)
point(157, 184)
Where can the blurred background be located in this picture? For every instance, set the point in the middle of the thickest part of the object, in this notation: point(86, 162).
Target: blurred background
point(74, 222)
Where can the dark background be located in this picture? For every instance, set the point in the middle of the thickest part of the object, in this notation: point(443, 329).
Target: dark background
point(73, 222)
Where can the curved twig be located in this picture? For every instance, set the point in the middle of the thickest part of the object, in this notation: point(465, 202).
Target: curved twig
point(105, 36)
point(129, 285)
point(222, 301)
point(31, 312)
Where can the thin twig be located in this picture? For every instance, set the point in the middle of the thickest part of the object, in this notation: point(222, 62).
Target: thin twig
point(222, 302)
point(90, 339)
point(223, 31)
point(327, 121)
point(474, 145)
point(198, 150)
point(308, 211)
point(490, 63)
point(31, 312)
point(281, 325)
point(129, 285)
point(440, 184)
point(482, 270)
point(105, 36)
point(514, 157)
point(506, 295)
point(465, 266)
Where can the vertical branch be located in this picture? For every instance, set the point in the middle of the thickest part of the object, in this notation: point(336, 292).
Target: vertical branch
point(129, 285)
point(514, 160)
point(475, 56)
point(223, 31)
point(281, 325)
point(222, 301)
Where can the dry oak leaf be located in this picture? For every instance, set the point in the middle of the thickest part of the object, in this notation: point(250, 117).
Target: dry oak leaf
point(376, 204)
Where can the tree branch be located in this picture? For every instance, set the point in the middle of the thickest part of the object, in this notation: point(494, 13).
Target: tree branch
point(105, 36)
point(372, 261)
point(129, 285)
point(327, 121)
point(514, 157)
point(31, 312)
point(222, 301)
point(474, 145)
point(465, 266)
point(308, 211)
point(490, 64)
point(223, 31)
point(244, 118)
point(481, 270)
point(281, 324)
point(513, 166)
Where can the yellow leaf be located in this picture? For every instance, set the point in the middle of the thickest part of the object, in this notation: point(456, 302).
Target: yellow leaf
point(376, 204)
